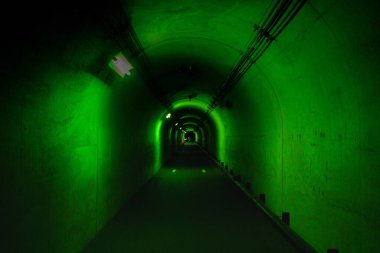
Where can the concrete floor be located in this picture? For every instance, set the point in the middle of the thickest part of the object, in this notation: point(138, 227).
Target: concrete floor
point(185, 209)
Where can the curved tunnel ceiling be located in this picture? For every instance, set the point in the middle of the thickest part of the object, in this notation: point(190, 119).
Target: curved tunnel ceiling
point(302, 128)
point(192, 45)
point(188, 117)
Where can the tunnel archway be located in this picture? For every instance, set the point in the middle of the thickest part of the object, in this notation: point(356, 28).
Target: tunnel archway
point(192, 114)
point(190, 136)
point(301, 127)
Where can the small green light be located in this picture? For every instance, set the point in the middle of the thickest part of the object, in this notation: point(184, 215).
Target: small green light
point(176, 124)
point(168, 115)
point(174, 170)
point(203, 171)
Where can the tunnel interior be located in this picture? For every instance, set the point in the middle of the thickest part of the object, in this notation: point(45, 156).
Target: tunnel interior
point(103, 101)
point(189, 136)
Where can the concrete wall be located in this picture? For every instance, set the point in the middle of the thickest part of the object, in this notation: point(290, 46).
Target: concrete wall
point(303, 126)
point(322, 83)
point(76, 140)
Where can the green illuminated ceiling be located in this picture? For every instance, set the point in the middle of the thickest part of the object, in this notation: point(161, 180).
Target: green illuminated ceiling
point(192, 45)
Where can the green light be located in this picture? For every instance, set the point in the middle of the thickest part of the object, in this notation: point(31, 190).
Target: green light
point(157, 146)
point(215, 117)
point(121, 65)
point(174, 171)
point(176, 124)
point(203, 171)
point(168, 115)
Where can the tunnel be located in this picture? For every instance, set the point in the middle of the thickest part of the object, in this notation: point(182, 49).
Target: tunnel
point(190, 126)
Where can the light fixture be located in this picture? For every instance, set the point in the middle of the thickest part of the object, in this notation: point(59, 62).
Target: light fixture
point(168, 115)
point(120, 65)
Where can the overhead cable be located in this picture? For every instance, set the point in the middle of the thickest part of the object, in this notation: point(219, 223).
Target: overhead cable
point(279, 17)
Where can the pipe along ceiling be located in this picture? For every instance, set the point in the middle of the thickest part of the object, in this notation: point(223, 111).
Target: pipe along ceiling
point(285, 93)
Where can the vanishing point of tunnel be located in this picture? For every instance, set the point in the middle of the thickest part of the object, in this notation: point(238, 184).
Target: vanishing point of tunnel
point(202, 126)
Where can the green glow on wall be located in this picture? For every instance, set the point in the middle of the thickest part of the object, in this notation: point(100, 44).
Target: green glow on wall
point(179, 104)
point(170, 134)
point(87, 126)
point(221, 134)
point(196, 136)
point(157, 147)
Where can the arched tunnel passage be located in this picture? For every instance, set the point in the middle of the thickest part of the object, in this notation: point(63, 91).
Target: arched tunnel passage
point(190, 136)
point(184, 121)
point(83, 139)
point(186, 133)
